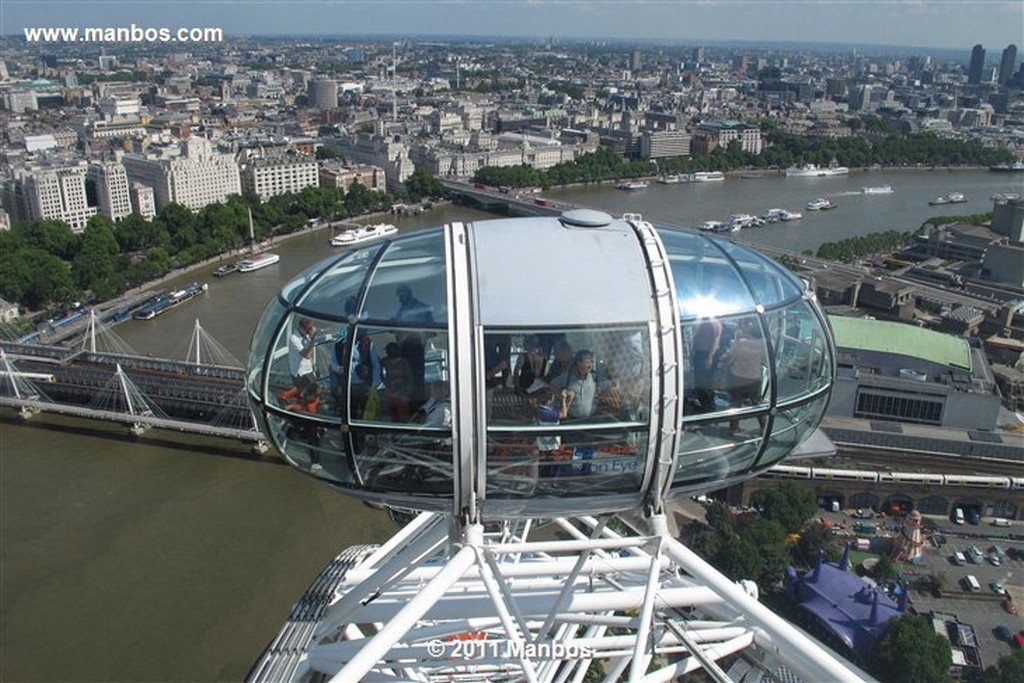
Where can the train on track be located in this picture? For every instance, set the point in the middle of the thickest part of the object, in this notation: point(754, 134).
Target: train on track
point(967, 480)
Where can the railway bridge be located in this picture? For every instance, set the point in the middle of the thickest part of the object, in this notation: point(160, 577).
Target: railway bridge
point(140, 391)
point(897, 493)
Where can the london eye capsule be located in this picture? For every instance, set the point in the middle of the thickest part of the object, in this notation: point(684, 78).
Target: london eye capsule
point(531, 367)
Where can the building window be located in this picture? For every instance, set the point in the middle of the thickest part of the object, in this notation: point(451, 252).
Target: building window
point(902, 408)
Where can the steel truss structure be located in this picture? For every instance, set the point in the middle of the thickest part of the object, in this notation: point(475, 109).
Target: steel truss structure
point(445, 602)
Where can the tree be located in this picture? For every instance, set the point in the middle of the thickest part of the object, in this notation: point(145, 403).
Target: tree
point(1009, 669)
point(769, 538)
point(738, 559)
point(703, 540)
point(52, 236)
point(97, 259)
point(885, 569)
point(719, 517)
point(42, 278)
point(422, 184)
point(815, 539)
point(912, 652)
point(789, 504)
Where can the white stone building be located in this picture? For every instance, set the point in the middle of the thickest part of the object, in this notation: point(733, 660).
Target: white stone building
point(194, 176)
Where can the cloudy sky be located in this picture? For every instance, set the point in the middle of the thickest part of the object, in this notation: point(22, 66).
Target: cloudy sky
point(957, 24)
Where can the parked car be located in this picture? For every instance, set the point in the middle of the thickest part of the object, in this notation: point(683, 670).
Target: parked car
point(1002, 633)
point(1009, 606)
point(997, 588)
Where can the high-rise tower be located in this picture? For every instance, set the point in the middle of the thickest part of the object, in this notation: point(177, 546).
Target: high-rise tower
point(977, 65)
point(1008, 64)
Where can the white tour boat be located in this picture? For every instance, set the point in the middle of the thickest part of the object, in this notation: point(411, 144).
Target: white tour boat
point(708, 176)
point(363, 233)
point(880, 189)
point(951, 198)
point(257, 261)
point(776, 215)
point(820, 204)
point(633, 185)
point(813, 171)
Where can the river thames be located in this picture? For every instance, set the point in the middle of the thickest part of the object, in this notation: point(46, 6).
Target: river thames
point(176, 558)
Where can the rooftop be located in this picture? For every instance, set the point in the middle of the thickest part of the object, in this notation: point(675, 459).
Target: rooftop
point(901, 339)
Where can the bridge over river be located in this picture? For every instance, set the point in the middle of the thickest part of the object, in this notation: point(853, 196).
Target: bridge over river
point(141, 391)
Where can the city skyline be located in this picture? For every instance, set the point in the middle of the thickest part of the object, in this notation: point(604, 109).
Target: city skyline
point(924, 24)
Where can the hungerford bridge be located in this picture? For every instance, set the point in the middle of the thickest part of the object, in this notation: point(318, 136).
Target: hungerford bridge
point(203, 394)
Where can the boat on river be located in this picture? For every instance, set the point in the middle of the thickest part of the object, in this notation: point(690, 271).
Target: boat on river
point(671, 179)
point(226, 269)
point(777, 215)
point(168, 301)
point(738, 221)
point(715, 226)
point(258, 261)
point(951, 198)
point(814, 171)
point(820, 204)
point(363, 233)
point(878, 189)
point(1015, 167)
point(708, 176)
point(633, 185)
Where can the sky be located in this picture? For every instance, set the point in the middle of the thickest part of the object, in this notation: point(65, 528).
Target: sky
point(955, 24)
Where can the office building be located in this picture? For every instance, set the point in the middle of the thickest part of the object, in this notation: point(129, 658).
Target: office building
point(974, 72)
point(1008, 64)
point(58, 193)
point(191, 174)
point(344, 177)
point(656, 144)
point(107, 187)
point(894, 372)
point(712, 134)
point(323, 93)
point(279, 174)
point(143, 201)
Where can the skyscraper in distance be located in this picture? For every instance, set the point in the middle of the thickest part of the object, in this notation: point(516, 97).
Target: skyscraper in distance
point(977, 65)
point(1008, 64)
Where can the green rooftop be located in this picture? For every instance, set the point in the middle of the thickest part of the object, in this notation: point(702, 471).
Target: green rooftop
point(901, 339)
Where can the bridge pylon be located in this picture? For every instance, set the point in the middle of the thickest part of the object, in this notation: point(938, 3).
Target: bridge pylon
point(120, 395)
point(19, 385)
point(202, 348)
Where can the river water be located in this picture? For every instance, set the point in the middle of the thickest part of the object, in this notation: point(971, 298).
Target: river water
point(177, 558)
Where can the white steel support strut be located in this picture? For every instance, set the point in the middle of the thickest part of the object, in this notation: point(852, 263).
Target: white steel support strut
point(500, 607)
